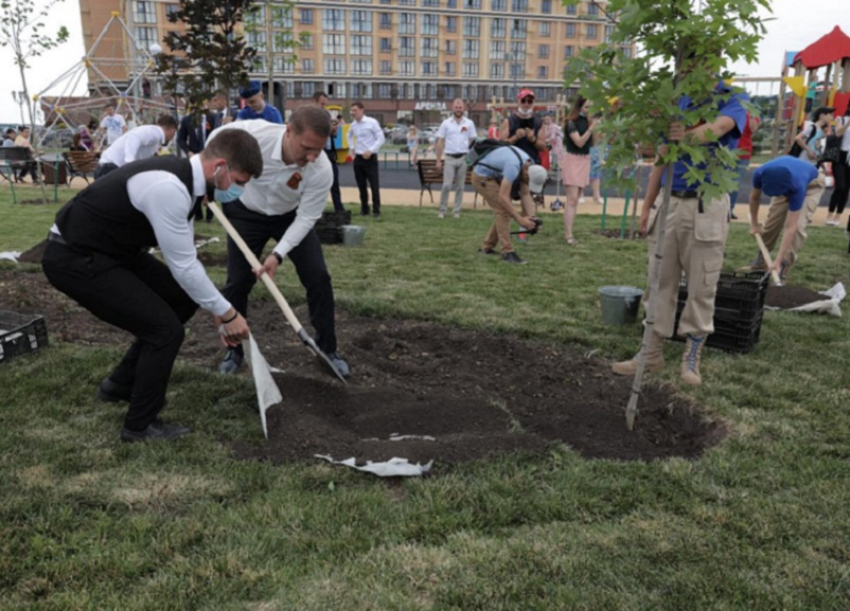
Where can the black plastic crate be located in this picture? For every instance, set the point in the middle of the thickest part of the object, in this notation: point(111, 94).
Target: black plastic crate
point(328, 226)
point(20, 334)
point(730, 334)
point(740, 295)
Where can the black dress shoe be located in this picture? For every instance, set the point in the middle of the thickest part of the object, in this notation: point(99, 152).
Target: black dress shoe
point(340, 364)
point(156, 430)
point(377, 215)
point(487, 251)
point(364, 212)
point(112, 392)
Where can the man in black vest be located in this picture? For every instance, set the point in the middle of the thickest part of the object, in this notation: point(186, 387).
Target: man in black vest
point(522, 129)
point(97, 254)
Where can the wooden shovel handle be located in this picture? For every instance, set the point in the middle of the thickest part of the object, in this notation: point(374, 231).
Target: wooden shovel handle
point(255, 264)
point(765, 254)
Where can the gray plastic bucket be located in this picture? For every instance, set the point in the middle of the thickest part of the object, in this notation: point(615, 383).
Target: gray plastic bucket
point(352, 235)
point(620, 304)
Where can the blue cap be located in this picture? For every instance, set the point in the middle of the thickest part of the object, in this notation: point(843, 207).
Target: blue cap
point(251, 90)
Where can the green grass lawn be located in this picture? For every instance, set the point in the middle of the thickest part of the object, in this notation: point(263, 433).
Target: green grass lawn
point(761, 522)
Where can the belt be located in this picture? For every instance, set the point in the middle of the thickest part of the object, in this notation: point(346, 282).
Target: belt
point(55, 237)
point(456, 155)
point(685, 194)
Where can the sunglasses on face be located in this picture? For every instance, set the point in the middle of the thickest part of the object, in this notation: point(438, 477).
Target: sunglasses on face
point(527, 101)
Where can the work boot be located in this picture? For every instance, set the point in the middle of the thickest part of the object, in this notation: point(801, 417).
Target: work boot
point(654, 358)
point(691, 358)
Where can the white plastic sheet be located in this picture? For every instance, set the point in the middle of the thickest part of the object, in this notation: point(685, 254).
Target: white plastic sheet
point(394, 467)
point(268, 393)
point(11, 255)
point(830, 305)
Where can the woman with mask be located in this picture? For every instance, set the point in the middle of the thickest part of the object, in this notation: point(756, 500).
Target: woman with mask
point(522, 129)
point(575, 169)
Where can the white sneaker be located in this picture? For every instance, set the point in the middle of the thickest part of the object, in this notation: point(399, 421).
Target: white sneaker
point(457, 215)
point(581, 200)
point(441, 215)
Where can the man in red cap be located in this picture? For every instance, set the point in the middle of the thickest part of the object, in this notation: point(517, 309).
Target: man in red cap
point(522, 129)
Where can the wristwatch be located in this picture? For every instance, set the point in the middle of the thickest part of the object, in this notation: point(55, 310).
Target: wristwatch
point(278, 257)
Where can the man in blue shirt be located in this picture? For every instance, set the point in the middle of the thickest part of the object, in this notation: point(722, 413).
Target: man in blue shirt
point(795, 188)
point(255, 105)
point(694, 240)
point(504, 174)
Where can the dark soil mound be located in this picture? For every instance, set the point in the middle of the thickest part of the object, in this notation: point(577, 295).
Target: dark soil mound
point(787, 297)
point(615, 233)
point(34, 254)
point(475, 393)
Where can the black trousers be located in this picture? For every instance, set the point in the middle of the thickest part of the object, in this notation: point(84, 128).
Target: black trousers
point(141, 297)
point(103, 169)
point(841, 173)
point(336, 196)
point(366, 170)
point(257, 229)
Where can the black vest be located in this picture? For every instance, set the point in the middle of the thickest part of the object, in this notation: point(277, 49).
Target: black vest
point(102, 219)
point(532, 123)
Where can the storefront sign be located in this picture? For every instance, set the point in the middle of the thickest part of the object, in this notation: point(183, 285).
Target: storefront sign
point(430, 106)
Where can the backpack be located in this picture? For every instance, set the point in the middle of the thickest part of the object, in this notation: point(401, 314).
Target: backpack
point(796, 149)
point(482, 148)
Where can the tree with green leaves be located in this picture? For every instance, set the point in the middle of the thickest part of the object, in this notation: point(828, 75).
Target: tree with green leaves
point(659, 53)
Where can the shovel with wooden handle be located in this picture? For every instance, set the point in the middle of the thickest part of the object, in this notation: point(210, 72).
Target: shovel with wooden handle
point(272, 287)
point(765, 254)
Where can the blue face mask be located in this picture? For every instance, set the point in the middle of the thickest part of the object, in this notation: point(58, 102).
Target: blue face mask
point(232, 193)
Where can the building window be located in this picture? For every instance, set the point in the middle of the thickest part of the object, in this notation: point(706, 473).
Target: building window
point(407, 2)
point(450, 92)
point(546, 7)
point(591, 31)
point(170, 9)
point(361, 91)
point(307, 42)
point(470, 69)
point(284, 65)
point(385, 91)
point(307, 90)
point(572, 9)
point(451, 3)
point(406, 68)
point(470, 49)
point(451, 47)
point(257, 40)
point(545, 29)
point(450, 69)
point(430, 47)
point(498, 27)
point(519, 6)
point(282, 17)
point(361, 21)
point(593, 9)
point(497, 49)
point(146, 37)
point(407, 46)
point(306, 16)
point(362, 1)
point(609, 32)
point(430, 25)
point(429, 68)
point(361, 66)
point(627, 51)
point(308, 66)
point(386, 67)
point(543, 51)
point(386, 21)
point(519, 28)
point(361, 45)
point(431, 3)
point(258, 64)
point(335, 65)
point(333, 44)
point(386, 45)
point(500, 5)
point(497, 71)
point(517, 71)
point(472, 4)
point(334, 20)
point(518, 50)
point(282, 41)
point(568, 51)
point(469, 90)
point(144, 12)
point(570, 31)
point(472, 26)
point(407, 23)
point(542, 72)
point(451, 24)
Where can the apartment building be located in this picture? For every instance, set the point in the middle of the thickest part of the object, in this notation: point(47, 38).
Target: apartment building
point(406, 59)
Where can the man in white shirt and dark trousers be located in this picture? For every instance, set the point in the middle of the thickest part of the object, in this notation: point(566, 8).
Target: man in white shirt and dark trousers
point(455, 136)
point(97, 254)
point(138, 143)
point(368, 139)
point(283, 205)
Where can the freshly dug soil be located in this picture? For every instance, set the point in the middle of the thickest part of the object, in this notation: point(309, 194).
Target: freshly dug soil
point(787, 297)
point(476, 393)
point(34, 254)
point(615, 234)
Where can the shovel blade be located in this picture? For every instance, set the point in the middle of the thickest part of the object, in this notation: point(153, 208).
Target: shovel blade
point(311, 344)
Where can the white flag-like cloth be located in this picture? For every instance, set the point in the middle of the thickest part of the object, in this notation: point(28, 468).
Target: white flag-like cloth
point(267, 391)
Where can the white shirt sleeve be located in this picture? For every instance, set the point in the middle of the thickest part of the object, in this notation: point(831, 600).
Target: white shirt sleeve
point(379, 136)
point(314, 197)
point(163, 199)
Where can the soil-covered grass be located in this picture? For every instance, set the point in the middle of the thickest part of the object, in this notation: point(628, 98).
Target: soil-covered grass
point(758, 520)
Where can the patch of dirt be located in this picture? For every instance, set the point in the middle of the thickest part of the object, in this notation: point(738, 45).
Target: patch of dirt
point(475, 393)
point(34, 254)
point(615, 233)
point(787, 297)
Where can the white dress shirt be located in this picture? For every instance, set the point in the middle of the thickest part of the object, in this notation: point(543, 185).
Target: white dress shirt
point(163, 199)
point(139, 143)
point(458, 136)
point(368, 135)
point(271, 195)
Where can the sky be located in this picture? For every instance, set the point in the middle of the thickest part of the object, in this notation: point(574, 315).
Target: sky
point(792, 29)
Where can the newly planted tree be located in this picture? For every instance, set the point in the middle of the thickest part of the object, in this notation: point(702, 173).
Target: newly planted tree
point(657, 53)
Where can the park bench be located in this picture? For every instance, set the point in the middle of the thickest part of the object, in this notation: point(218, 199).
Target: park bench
point(81, 163)
point(430, 175)
point(12, 160)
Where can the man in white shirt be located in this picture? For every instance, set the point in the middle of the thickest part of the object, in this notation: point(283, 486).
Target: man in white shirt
point(98, 254)
point(138, 143)
point(368, 138)
point(283, 205)
point(455, 136)
point(113, 124)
